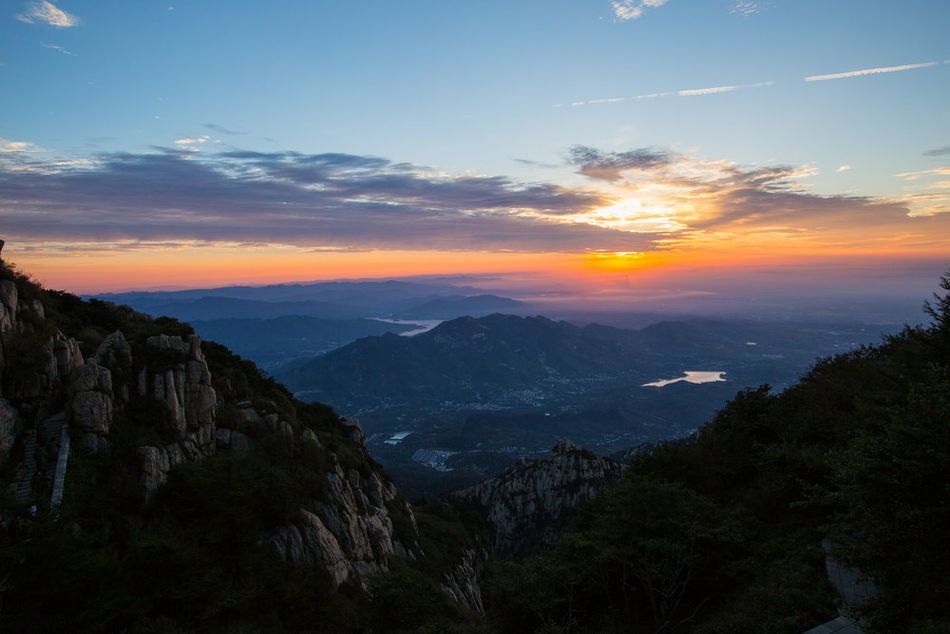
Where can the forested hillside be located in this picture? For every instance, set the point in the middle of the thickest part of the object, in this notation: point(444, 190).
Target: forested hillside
point(723, 532)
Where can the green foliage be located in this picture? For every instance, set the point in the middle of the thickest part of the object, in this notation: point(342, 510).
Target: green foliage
point(405, 600)
point(446, 532)
point(646, 555)
point(894, 496)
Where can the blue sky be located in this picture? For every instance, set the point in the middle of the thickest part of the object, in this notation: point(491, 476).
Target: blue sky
point(850, 96)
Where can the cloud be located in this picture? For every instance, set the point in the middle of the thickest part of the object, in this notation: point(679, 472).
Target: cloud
point(633, 9)
point(940, 151)
point(7, 146)
point(843, 168)
point(643, 199)
point(58, 48)
point(693, 92)
point(700, 201)
point(912, 176)
point(609, 166)
point(192, 141)
point(719, 89)
point(536, 163)
point(310, 200)
point(746, 7)
point(47, 13)
point(870, 71)
point(220, 129)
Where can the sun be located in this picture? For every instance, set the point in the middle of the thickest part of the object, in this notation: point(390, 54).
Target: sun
point(633, 215)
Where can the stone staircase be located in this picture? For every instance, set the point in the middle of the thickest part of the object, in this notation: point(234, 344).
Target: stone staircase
point(24, 488)
point(52, 431)
point(59, 480)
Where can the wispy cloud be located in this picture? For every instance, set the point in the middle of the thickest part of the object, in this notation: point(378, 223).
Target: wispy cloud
point(746, 7)
point(691, 92)
point(47, 13)
point(220, 129)
point(633, 9)
point(940, 151)
point(870, 71)
point(609, 166)
point(843, 168)
point(912, 176)
point(191, 143)
point(58, 48)
point(720, 89)
point(9, 147)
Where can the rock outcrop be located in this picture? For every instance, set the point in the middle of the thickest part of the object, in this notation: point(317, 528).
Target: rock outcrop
point(528, 503)
point(9, 428)
point(351, 533)
point(91, 406)
point(8, 306)
point(184, 391)
point(462, 582)
point(137, 384)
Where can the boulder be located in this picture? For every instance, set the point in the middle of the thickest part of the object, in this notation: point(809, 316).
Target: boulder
point(92, 412)
point(115, 352)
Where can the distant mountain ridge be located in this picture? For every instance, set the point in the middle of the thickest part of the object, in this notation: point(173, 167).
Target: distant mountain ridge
point(331, 300)
point(466, 359)
point(270, 341)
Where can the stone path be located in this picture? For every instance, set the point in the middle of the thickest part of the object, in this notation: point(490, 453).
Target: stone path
point(53, 431)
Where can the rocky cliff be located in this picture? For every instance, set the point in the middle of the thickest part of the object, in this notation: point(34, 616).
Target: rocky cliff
point(142, 393)
point(527, 504)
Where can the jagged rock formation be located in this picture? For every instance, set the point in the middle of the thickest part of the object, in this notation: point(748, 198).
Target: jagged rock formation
point(527, 504)
point(462, 582)
point(163, 385)
point(351, 534)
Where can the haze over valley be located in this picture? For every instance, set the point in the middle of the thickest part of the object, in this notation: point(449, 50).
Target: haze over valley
point(464, 390)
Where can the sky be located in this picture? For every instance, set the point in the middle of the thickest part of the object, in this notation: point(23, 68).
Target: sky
point(623, 149)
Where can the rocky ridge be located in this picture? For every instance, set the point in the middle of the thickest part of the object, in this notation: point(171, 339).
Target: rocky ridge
point(162, 385)
point(528, 503)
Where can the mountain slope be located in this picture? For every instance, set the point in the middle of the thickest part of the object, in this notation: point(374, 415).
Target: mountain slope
point(463, 360)
point(738, 527)
point(270, 341)
point(198, 494)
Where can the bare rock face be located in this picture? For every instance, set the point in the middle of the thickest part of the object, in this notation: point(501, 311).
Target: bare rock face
point(461, 583)
point(60, 355)
point(91, 407)
point(64, 356)
point(528, 503)
point(351, 532)
point(185, 393)
point(8, 306)
point(308, 541)
point(9, 428)
point(156, 463)
point(355, 429)
point(115, 352)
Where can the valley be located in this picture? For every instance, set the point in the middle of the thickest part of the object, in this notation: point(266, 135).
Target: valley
point(448, 398)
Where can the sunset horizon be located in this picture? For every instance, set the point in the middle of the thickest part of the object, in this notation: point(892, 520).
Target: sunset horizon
point(710, 163)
